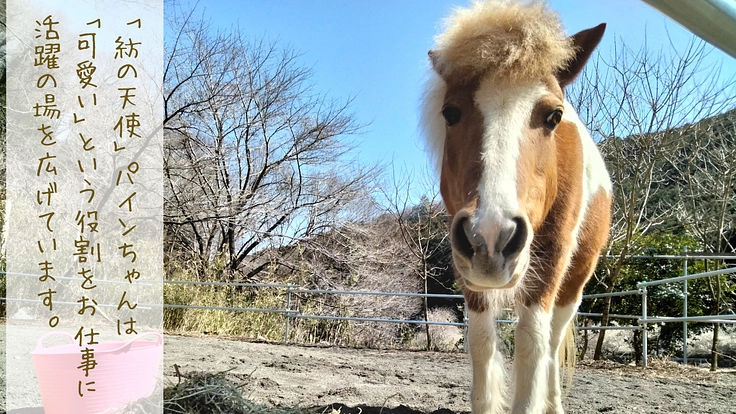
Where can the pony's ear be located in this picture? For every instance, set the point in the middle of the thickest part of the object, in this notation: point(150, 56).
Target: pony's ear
point(584, 42)
point(434, 59)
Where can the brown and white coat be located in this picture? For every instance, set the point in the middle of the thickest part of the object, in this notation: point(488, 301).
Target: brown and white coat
point(526, 188)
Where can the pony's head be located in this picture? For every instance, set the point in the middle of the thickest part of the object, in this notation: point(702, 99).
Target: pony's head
point(493, 113)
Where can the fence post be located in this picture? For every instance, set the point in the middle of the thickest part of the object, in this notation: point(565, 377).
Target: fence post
point(684, 310)
point(644, 341)
point(288, 311)
point(465, 327)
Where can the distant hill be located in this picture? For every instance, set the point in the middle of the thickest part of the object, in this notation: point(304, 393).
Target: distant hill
point(688, 154)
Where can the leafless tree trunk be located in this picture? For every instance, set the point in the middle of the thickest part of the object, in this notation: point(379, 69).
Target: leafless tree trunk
point(584, 350)
point(716, 294)
point(3, 154)
point(638, 105)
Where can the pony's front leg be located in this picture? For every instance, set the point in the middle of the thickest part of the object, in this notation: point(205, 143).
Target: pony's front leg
point(561, 318)
point(531, 360)
point(487, 395)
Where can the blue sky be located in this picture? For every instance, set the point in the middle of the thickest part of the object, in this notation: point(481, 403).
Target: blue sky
point(375, 51)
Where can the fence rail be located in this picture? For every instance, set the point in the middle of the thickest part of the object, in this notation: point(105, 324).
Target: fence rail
point(645, 319)
point(642, 321)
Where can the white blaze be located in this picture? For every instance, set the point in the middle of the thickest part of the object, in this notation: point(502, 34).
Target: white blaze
point(506, 111)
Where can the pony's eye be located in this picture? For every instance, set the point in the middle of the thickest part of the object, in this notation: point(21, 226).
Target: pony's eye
point(553, 119)
point(452, 114)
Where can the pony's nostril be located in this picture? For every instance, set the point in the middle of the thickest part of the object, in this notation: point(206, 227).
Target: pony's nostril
point(460, 240)
point(513, 238)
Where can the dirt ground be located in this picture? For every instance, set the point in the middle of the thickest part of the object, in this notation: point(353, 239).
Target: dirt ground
point(403, 382)
point(400, 382)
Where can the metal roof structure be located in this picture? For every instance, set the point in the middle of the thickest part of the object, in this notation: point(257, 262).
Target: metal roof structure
point(712, 20)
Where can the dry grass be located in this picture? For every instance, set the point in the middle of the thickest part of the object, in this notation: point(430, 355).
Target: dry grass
point(664, 368)
point(271, 326)
point(207, 393)
point(222, 322)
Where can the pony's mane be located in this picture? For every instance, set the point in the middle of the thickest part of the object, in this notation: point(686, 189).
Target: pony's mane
point(515, 41)
point(512, 41)
point(431, 123)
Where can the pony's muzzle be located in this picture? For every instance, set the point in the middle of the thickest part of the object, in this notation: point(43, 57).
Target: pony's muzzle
point(484, 260)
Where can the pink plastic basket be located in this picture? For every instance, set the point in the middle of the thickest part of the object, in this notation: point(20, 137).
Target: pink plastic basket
point(125, 372)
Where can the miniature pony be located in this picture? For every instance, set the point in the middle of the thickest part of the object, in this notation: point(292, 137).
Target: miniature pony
point(527, 191)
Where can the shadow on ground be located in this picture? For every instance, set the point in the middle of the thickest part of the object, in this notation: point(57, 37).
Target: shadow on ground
point(366, 409)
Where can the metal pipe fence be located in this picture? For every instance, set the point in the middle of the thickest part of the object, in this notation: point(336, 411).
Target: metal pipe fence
point(642, 321)
point(642, 289)
point(645, 320)
point(294, 289)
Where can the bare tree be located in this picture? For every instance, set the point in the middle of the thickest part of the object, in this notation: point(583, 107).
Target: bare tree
point(638, 105)
point(423, 232)
point(254, 157)
point(707, 196)
point(707, 188)
point(365, 255)
point(3, 154)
